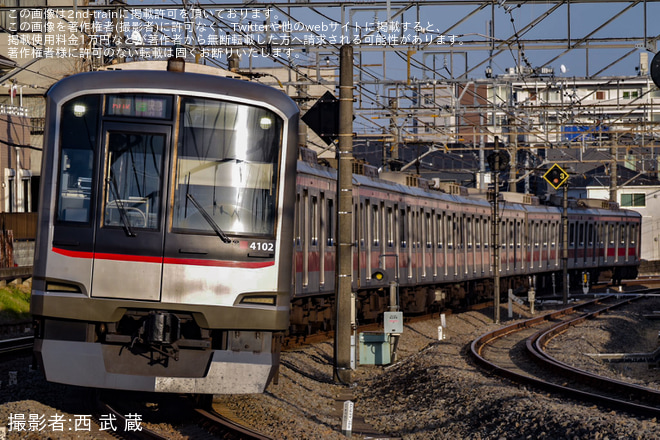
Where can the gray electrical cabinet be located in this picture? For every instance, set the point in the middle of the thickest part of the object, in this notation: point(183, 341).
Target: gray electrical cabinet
point(393, 322)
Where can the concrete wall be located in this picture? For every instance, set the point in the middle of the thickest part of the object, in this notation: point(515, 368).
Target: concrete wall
point(24, 252)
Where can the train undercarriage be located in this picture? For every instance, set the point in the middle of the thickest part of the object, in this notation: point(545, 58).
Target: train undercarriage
point(316, 313)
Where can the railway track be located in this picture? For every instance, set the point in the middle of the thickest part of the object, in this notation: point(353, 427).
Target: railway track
point(517, 352)
point(200, 419)
point(16, 345)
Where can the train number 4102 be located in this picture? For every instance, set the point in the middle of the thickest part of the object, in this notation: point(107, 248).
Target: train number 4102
point(262, 246)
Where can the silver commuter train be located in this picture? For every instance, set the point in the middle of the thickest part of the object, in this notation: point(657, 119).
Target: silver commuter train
point(437, 245)
point(166, 212)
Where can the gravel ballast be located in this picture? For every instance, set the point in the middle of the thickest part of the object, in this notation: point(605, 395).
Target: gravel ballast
point(433, 391)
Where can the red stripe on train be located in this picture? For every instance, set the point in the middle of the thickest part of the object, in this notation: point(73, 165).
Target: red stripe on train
point(147, 259)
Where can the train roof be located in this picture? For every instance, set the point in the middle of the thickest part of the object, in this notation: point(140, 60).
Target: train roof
point(365, 181)
point(373, 182)
point(155, 81)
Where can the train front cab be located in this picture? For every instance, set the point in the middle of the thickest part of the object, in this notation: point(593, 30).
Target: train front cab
point(602, 241)
point(162, 231)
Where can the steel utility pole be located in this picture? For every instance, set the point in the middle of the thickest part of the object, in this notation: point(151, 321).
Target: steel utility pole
point(564, 243)
point(496, 233)
point(342, 373)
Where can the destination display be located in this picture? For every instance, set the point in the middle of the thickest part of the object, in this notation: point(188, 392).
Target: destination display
point(140, 106)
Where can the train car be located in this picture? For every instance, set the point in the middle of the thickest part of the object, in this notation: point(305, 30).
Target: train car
point(437, 246)
point(164, 247)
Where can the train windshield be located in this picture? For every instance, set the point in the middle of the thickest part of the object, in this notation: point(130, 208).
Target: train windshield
point(227, 161)
point(78, 142)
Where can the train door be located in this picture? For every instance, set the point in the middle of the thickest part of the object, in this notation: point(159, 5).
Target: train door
point(415, 235)
point(359, 222)
point(410, 220)
point(390, 255)
point(478, 252)
point(402, 237)
point(546, 244)
point(130, 230)
point(322, 243)
point(469, 243)
point(530, 244)
point(452, 243)
point(486, 259)
point(487, 254)
point(304, 229)
point(444, 231)
point(554, 239)
point(607, 236)
point(591, 244)
point(623, 241)
point(571, 244)
point(298, 242)
point(435, 242)
point(425, 241)
point(506, 245)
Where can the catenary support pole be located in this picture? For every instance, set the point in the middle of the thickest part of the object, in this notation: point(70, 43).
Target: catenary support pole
point(564, 243)
point(496, 234)
point(342, 373)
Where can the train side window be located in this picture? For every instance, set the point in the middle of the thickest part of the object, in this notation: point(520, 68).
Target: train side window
point(512, 233)
point(553, 235)
point(297, 220)
point(611, 233)
point(356, 225)
point(360, 228)
point(304, 217)
point(375, 225)
point(633, 231)
point(440, 230)
point(590, 234)
point(581, 234)
point(622, 233)
point(571, 234)
point(78, 132)
point(487, 232)
point(403, 235)
point(503, 230)
point(477, 232)
point(427, 230)
point(314, 219)
point(451, 231)
point(469, 231)
point(389, 225)
point(537, 239)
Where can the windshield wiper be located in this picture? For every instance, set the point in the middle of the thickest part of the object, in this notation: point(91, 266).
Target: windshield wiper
point(120, 206)
point(208, 219)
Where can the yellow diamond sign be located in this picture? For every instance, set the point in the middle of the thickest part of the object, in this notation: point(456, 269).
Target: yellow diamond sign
point(556, 176)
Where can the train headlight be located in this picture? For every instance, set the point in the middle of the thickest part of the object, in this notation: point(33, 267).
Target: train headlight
point(265, 122)
point(79, 110)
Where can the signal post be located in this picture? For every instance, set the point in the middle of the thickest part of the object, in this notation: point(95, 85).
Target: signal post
point(557, 177)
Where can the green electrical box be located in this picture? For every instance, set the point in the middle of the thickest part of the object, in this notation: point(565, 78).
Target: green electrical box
point(374, 348)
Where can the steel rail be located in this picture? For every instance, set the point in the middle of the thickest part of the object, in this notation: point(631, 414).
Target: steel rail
point(646, 398)
point(23, 343)
point(230, 429)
